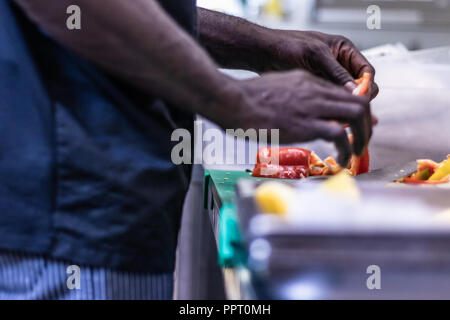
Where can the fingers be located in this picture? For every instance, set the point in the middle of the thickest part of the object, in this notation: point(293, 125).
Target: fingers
point(333, 132)
point(356, 113)
point(335, 103)
point(357, 64)
point(333, 70)
point(339, 74)
point(309, 105)
point(374, 120)
point(354, 62)
point(373, 88)
point(350, 86)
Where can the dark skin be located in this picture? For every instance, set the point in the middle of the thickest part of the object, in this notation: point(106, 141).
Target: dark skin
point(155, 55)
point(238, 44)
point(323, 107)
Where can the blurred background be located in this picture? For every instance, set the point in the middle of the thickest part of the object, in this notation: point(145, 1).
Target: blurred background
point(418, 24)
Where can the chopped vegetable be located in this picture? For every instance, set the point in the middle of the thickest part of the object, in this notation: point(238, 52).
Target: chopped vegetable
point(364, 163)
point(427, 164)
point(289, 163)
point(297, 163)
point(442, 171)
point(363, 84)
point(360, 165)
point(274, 197)
point(422, 175)
point(289, 156)
point(357, 165)
point(280, 171)
point(408, 180)
point(429, 172)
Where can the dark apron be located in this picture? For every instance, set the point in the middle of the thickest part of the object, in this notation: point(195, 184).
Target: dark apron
point(85, 167)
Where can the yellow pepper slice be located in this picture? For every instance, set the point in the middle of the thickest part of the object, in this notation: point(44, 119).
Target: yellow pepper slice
point(274, 197)
point(442, 172)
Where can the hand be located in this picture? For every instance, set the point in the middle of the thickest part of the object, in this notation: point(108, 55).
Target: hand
point(332, 57)
point(303, 107)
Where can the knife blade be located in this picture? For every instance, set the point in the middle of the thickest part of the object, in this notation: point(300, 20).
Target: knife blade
point(389, 174)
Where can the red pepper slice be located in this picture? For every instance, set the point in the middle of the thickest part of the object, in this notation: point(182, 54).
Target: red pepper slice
point(363, 84)
point(364, 163)
point(293, 163)
point(417, 181)
point(427, 164)
point(361, 164)
point(280, 171)
point(288, 156)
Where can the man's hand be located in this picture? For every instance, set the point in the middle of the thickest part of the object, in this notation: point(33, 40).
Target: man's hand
point(237, 43)
point(332, 57)
point(303, 107)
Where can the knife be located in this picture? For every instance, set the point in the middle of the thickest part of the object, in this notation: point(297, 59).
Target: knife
point(389, 174)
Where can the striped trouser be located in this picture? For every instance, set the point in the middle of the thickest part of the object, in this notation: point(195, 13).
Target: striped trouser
point(25, 276)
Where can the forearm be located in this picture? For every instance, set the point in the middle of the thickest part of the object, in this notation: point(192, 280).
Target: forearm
point(234, 42)
point(138, 42)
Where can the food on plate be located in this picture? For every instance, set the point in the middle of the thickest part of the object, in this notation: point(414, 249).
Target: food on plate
point(298, 163)
point(429, 172)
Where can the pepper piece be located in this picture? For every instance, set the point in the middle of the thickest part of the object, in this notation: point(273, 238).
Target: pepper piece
point(289, 156)
point(442, 171)
point(265, 170)
point(422, 175)
point(289, 163)
point(360, 165)
point(408, 180)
